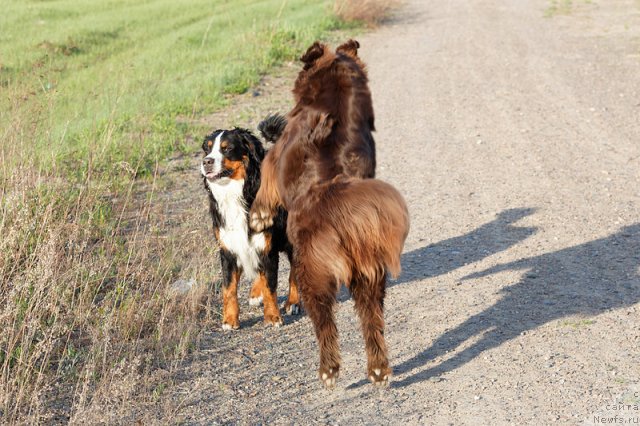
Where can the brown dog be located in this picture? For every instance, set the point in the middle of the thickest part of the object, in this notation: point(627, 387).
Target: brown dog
point(343, 228)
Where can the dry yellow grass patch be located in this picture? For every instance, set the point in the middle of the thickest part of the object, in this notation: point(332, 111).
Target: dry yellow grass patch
point(371, 12)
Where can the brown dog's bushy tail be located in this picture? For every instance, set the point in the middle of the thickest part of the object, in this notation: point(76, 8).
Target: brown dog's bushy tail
point(272, 127)
point(367, 222)
point(377, 225)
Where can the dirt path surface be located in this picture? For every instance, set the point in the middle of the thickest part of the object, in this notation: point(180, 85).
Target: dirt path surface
point(514, 133)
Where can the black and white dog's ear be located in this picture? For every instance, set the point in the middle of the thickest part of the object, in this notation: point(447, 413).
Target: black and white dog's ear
point(254, 148)
point(253, 160)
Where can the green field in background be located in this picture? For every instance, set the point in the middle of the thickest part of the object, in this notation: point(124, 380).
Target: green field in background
point(107, 79)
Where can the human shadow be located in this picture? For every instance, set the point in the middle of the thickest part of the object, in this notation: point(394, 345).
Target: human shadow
point(448, 255)
point(584, 280)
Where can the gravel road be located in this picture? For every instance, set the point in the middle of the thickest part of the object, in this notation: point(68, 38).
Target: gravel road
point(513, 130)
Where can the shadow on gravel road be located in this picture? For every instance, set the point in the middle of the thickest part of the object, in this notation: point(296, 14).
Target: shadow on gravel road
point(448, 255)
point(587, 279)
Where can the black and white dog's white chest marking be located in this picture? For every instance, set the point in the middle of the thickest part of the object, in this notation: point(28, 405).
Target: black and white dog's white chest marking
point(234, 230)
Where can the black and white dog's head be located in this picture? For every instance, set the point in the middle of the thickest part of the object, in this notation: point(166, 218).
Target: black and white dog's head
point(232, 157)
point(230, 154)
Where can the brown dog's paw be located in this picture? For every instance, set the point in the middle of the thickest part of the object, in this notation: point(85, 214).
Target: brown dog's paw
point(328, 376)
point(292, 308)
point(260, 219)
point(379, 376)
point(273, 321)
point(324, 127)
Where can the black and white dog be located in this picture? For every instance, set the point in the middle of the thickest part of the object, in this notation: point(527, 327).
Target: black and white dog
point(231, 174)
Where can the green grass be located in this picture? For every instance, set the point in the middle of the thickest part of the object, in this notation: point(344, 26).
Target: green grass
point(563, 7)
point(93, 97)
point(558, 7)
point(581, 323)
point(130, 67)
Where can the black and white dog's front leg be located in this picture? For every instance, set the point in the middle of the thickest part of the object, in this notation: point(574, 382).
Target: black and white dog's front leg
point(267, 282)
point(230, 277)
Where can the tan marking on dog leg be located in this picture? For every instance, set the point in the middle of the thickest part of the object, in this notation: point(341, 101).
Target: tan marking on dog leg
point(270, 302)
point(255, 296)
point(230, 308)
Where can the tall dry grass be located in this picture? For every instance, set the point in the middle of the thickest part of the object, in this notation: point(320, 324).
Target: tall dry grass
point(85, 272)
point(369, 12)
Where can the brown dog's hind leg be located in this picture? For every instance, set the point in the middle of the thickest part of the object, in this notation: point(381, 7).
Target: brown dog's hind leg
point(320, 310)
point(319, 297)
point(369, 298)
point(292, 305)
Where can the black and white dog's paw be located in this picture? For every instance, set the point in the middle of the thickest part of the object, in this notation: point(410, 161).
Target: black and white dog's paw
point(255, 301)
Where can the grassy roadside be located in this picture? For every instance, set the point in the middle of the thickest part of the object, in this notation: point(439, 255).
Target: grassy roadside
point(91, 96)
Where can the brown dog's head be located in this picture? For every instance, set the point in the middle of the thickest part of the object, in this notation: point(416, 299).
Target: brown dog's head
point(318, 50)
point(317, 83)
